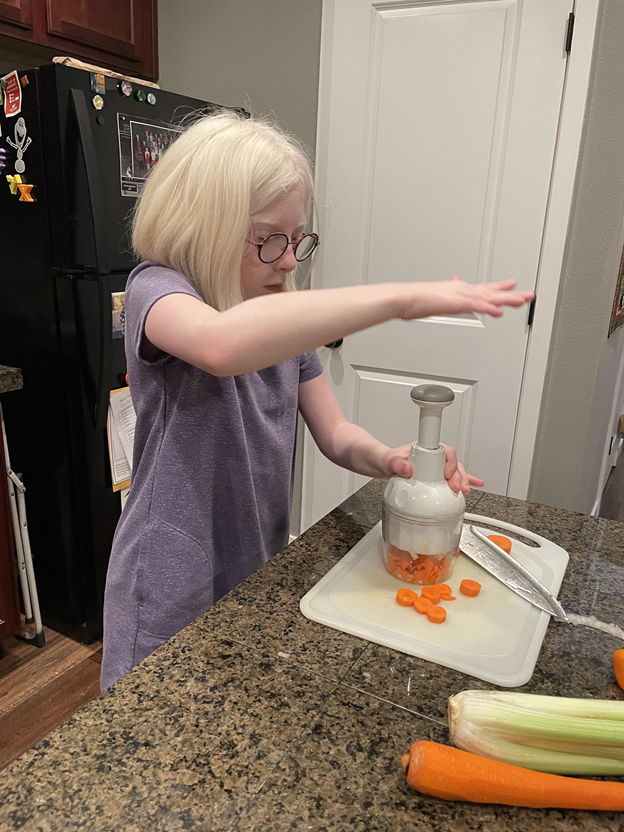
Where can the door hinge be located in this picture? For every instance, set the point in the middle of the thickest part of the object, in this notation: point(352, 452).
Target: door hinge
point(531, 312)
point(569, 32)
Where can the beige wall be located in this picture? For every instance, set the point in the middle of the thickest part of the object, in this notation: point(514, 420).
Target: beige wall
point(584, 365)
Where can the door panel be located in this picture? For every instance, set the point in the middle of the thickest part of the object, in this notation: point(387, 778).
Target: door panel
point(437, 130)
point(436, 163)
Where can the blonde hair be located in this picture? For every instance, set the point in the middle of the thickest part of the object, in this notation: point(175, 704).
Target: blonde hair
point(194, 213)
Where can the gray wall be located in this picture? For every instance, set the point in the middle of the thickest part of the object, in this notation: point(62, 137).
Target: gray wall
point(260, 55)
point(584, 364)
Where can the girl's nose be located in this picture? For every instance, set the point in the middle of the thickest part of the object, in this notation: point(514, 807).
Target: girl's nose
point(287, 262)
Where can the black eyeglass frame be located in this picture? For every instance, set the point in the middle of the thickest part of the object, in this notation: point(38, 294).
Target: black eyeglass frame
point(288, 242)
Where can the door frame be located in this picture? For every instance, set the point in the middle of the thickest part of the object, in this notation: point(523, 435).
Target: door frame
point(576, 85)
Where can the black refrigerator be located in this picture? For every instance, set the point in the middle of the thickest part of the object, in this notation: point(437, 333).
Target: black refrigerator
point(85, 142)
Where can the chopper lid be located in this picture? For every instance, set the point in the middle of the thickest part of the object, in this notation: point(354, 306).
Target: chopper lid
point(431, 502)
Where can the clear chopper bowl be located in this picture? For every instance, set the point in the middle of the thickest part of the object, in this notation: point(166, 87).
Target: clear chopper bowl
point(420, 550)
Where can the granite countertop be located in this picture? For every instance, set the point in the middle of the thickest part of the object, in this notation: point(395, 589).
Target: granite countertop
point(10, 379)
point(254, 718)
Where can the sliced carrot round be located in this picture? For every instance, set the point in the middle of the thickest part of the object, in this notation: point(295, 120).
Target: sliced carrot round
point(437, 615)
point(422, 605)
point(503, 542)
point(447, 598)
point(431, 592)
point(471, 588)
point(406, 597)
point(443, 589)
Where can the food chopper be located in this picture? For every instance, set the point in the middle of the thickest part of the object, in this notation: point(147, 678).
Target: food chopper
point(422, 516)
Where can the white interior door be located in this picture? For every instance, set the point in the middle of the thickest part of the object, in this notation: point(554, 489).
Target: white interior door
point(437, 131)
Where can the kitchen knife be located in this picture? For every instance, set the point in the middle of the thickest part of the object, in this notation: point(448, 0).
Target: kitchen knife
point(475, 545)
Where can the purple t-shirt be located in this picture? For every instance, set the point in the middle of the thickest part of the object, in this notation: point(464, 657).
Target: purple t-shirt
point(211, 483)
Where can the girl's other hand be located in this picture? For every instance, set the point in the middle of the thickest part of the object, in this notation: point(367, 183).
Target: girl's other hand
point(397, 462)
point(454, 297)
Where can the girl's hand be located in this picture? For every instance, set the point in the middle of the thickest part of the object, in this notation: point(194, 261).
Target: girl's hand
point(397, 462)
point(452, 297)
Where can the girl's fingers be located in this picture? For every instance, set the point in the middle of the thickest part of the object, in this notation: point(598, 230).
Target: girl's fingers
point(476, 481)
point(450, 466)
point(502, 284)
point(400, 466)
point(454, 482)
point(463, 479)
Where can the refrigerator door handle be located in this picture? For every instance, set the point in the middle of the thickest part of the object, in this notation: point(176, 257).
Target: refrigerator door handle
point(100, 413)
point(96, 374)
point(94, 181)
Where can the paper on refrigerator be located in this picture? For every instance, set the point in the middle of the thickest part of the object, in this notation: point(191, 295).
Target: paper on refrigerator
point(120, 430)
point(125, 419)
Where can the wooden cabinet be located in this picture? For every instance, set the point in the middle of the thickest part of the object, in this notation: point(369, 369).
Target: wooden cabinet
point(121, 34)
point(16, 18)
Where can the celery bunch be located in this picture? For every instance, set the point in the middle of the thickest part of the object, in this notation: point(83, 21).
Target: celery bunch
point(545, 733)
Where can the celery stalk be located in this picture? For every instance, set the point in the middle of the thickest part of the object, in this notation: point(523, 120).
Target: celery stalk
point(546, 733)
point(591, 708)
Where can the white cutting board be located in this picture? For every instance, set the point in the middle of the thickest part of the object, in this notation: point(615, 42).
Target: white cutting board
point(496, 636)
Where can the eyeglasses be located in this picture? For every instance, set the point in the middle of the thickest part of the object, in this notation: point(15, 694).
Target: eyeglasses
point(275, 246)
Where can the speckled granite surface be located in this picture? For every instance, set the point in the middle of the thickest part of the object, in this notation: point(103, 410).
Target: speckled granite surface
point(10, 379)
point(254, 718)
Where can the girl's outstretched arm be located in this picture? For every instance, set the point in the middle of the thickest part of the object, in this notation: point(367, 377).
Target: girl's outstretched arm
point(354, 448)
point(266, 330)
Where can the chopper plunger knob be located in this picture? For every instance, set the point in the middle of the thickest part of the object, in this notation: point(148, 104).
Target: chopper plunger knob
point(432, 393)
point(432, 399)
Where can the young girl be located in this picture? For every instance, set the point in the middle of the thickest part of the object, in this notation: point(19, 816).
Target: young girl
point(220, 358)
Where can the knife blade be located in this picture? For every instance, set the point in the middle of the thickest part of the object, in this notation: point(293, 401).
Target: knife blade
point(475, 545)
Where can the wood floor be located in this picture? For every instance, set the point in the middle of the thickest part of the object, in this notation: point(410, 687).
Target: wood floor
point(42, 687)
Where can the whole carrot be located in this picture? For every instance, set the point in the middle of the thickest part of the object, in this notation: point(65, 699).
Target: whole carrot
point(618, 667)
point(451, 774)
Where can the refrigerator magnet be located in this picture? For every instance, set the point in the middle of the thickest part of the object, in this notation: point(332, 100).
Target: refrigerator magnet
point(26, 192)
point(98, 83)
point(21, 143)
point(2, 158)
point(12, 94)
point(98, 102)
point(24, 81)
point(13, 181)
